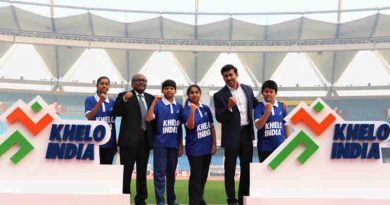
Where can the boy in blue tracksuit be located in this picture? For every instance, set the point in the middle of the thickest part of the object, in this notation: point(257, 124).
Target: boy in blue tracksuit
point(269, 120)
point(168, 143)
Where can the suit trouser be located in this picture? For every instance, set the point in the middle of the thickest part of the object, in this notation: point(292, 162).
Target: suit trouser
point(198, 177)
point(244, 150)
point(140, 155)
point(106, 155)
point(165, 162)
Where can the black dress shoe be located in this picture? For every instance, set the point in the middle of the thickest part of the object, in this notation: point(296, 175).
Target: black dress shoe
point(232, 202)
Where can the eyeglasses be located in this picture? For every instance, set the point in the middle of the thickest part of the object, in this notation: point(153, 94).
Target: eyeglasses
point(141, 80)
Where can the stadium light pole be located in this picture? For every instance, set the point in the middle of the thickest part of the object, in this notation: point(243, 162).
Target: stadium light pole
point(56, 59)
point(332, 90)
point(339, 8)
point(196, 38)
point(196, 11)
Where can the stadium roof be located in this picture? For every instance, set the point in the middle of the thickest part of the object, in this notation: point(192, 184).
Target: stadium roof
point(297, 48)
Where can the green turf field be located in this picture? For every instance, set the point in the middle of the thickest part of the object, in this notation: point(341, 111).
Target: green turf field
point(214, 192)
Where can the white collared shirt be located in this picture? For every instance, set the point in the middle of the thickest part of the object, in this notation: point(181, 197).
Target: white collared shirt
point(107, 100)
point(242, 104)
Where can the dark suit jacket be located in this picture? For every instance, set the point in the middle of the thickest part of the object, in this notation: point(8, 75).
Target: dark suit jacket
point(230, 120)
point(130, 129)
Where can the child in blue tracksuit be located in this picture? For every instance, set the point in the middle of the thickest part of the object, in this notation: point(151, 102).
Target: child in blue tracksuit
point(99, 107)
point(269, 120)
point(200, 143)
point(168, 143)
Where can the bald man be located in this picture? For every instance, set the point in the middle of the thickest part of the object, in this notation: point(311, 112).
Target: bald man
point(135, 135)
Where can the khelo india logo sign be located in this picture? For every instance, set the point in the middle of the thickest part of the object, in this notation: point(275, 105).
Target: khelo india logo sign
point(319, 127)
point(36, 133)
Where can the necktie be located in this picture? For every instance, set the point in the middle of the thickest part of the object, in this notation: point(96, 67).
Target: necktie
point(143, 111)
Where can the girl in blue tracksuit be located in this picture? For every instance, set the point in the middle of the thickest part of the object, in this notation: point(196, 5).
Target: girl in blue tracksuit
point(200, 143)
point(99, 107)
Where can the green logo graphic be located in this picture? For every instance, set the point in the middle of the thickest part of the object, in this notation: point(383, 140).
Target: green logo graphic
point(16, 138)
point(18, 115)
point(301, 138)
point(302, 116)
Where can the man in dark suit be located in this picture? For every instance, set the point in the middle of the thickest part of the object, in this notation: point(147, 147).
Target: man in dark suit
point(135, 135)
point(234, 105)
